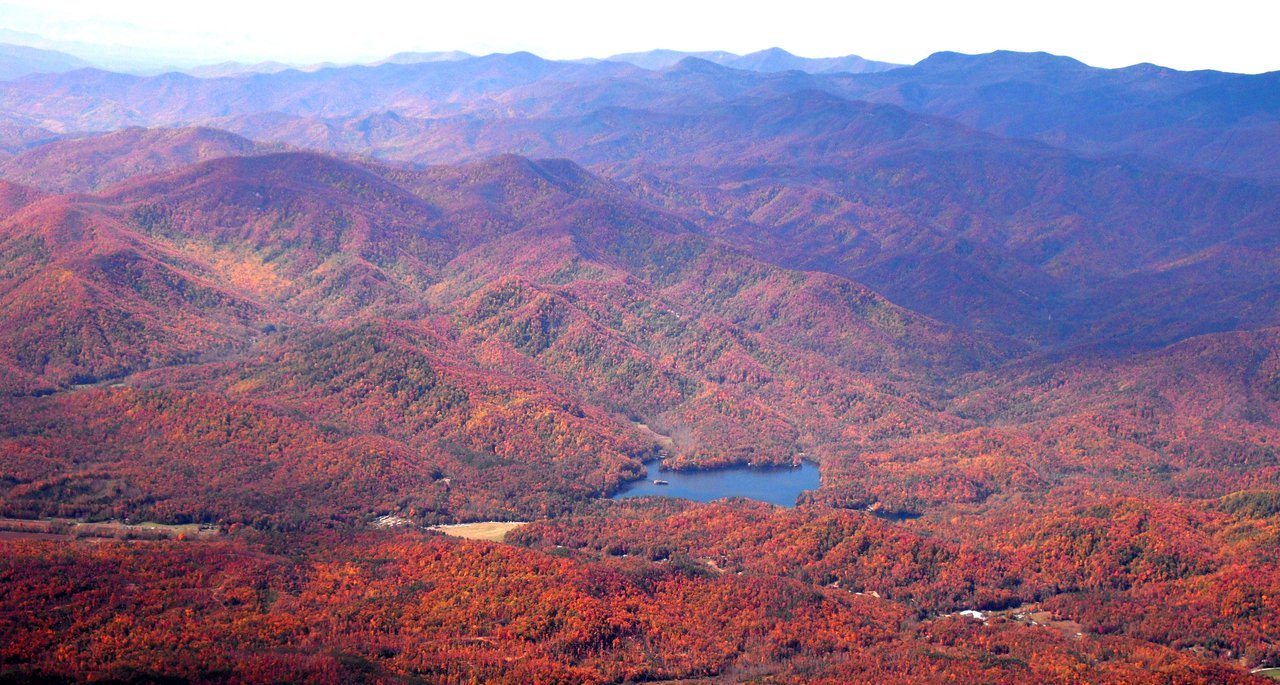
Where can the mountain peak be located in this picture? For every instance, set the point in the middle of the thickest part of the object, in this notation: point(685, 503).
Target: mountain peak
point(237, 180)
point(696, 65)
point(1001, 62)
point(776, 59)
point(662, 58)
point(522, 58)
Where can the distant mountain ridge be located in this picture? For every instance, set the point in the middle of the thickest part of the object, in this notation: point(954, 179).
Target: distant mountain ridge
point(224, 69)
point(231, 69)
point(767, 61)
point(1228, 123)
point(420, 57)
point(17, 61)
point(1202, 121)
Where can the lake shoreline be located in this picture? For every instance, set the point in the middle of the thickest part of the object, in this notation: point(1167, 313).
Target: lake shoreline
point(779, 485)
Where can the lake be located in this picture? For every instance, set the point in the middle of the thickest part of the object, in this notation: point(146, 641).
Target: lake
point(779, 485)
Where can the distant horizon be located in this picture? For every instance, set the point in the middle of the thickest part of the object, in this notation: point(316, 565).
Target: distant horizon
point(223, 60)
point(151, 69)
point(142, 35)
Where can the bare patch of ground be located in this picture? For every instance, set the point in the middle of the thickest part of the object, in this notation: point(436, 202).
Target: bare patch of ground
point(493, 531)
point(50, 528)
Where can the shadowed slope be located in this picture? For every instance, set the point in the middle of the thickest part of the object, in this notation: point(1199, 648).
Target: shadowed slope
point(92, 163)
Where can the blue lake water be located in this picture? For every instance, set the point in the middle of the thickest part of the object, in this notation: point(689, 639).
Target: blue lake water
point(775, 485)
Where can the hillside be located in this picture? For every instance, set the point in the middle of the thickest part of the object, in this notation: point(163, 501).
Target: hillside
point(599, 299)
point(1024, 239)
point(90, 163)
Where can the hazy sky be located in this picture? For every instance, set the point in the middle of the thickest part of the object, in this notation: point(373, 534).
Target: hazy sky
point(1231, 35)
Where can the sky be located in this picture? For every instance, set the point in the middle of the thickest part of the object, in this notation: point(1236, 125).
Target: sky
point(1228, 35)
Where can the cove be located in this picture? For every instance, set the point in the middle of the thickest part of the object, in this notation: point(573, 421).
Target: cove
point(779, 485)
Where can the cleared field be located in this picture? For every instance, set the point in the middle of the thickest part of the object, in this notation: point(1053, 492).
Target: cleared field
point(493, 531)
point(109, 529)
point(1272, 673)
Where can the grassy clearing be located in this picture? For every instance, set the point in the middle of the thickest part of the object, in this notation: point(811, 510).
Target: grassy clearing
point(493, 531)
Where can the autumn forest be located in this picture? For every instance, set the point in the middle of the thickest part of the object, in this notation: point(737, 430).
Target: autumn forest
point(263, 334)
